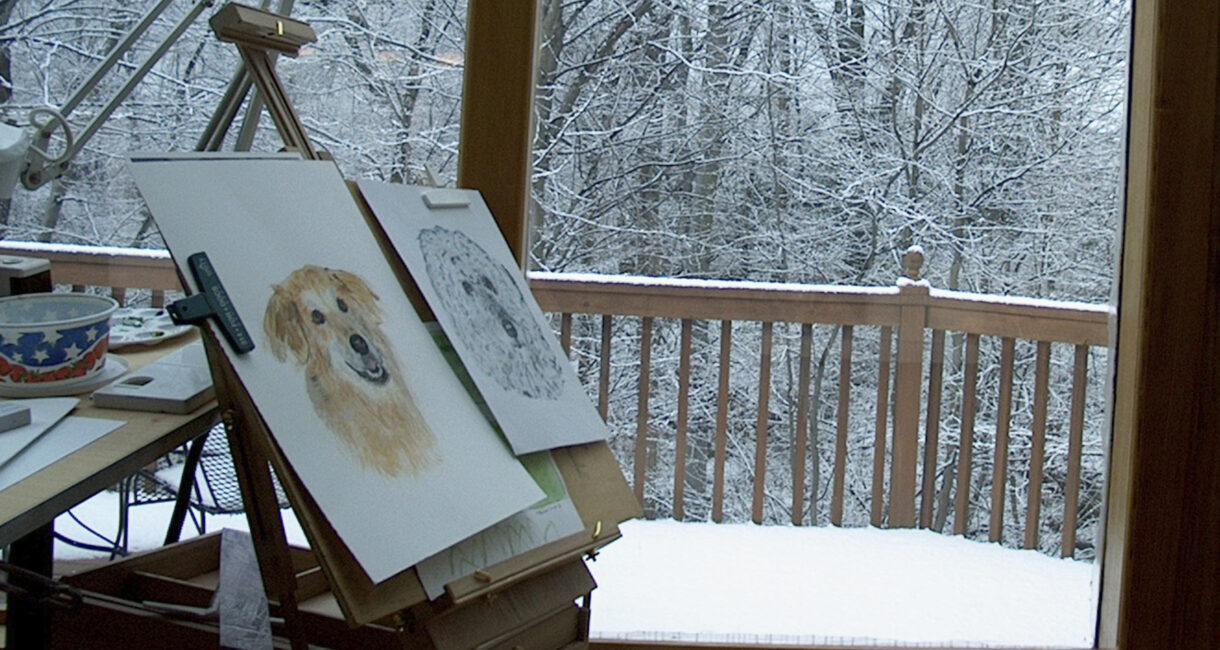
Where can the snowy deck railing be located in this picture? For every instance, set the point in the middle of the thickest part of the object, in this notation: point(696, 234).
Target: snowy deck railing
point(674, 416)
point(683, 314)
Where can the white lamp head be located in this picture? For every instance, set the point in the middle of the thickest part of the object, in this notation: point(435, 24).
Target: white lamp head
point(14, 145)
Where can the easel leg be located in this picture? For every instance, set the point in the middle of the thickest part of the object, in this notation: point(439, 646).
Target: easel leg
point(183, 499)
point(29, 625)
point(266, 526)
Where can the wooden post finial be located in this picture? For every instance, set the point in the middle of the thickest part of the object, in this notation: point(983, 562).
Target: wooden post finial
point(912, 262)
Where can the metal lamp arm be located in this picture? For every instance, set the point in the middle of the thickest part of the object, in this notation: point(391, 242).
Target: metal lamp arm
point(42, 167)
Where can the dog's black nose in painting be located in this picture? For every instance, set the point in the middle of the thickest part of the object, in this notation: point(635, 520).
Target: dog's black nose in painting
point(358, 344)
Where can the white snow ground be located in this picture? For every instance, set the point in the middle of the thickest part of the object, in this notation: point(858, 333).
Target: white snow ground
point(742, 583)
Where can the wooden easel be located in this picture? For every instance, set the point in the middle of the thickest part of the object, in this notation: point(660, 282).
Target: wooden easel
point(547, 579)
point(529, 597)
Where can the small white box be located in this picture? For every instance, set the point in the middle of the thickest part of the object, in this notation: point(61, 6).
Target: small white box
point(13, 415)
point(178, 383)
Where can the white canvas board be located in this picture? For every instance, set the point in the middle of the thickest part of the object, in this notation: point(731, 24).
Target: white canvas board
point(551, 518)
point(44, 413)
point(381, 433)
point(467, 274)
point(67, 436)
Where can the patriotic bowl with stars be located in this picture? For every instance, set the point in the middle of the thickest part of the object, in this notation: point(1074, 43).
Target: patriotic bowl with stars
point(52, 337)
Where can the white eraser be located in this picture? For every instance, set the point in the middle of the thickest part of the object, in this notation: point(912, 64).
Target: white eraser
point(438, 199)
point(13, 415)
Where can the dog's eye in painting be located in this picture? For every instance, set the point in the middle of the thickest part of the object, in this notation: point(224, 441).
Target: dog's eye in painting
point(484, 281)
point(352, 373)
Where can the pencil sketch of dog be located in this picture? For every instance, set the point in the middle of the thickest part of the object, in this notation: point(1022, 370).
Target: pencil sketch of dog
point(491, 315)
point(328, 321)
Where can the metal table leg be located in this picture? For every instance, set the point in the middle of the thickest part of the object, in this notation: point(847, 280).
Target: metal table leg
point(29, 625)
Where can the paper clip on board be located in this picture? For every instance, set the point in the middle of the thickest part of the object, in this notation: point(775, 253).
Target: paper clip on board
point(212, 301)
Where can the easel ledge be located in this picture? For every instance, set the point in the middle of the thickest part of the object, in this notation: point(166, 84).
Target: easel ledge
point(538, 612)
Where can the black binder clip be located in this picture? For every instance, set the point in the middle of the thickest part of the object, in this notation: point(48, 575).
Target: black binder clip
point(212, 301)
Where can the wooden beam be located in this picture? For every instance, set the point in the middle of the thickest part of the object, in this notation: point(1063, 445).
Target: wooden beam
point(1161, 574)
point(497, 129)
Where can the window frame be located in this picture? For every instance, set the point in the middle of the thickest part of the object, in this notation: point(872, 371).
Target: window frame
point(1159, 567)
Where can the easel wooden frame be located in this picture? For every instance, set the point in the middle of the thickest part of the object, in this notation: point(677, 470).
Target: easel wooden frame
point(541, 580)
point(595, 483)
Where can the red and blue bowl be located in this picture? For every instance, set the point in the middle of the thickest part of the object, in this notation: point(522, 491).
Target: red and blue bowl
point(53, 337)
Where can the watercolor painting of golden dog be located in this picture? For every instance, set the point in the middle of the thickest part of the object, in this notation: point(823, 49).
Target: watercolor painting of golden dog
point(328, 322)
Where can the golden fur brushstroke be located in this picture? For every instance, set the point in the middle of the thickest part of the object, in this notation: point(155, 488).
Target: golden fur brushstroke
point(329, 322)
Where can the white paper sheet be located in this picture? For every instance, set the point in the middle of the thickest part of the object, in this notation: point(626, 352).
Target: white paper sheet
point(44, 413)
point(400, 474)
point(70, 434)
point(466, 272)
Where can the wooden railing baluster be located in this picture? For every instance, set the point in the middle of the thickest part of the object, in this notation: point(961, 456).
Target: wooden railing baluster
point(999, 477)
point(932, 429)
point(883, 401)
point(684, 350)
point(760, 430)
point(641, 418)
point(565, 332)
point(836, 502)
point(603, 371)
point(1037, 452)
point(965, 453)
point(802, 431)
point(1071, 499)
point(722, 421)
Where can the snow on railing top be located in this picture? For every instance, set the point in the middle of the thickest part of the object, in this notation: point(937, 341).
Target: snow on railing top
point(1021, 301)
point(86, 249)
point(694, 283)
point(791, 287)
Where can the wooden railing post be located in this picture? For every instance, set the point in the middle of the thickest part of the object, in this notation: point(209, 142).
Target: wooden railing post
point(907, 390)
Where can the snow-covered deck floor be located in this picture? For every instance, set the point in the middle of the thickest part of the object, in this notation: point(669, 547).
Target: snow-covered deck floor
point(776, 584)
point(744, 583)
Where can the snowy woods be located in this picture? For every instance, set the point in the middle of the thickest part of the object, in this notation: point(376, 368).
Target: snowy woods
point(782, 141)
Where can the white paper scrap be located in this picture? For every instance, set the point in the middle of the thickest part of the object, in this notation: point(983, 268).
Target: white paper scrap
point(72, 433)
point(44, 413)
